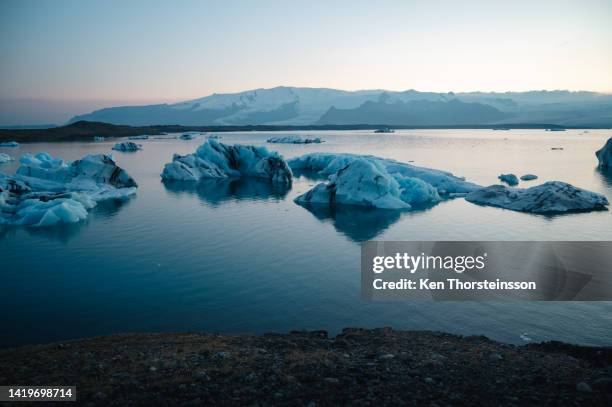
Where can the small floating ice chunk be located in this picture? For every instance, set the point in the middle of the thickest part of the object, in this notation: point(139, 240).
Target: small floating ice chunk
point(216, 160)
point(294, 140)
point(604, 155)
point(141, 137)
point(187, 136)
point(9, 144)
point(213, 136)
point(548, 198)
point(529, 177)
point(127, 146)
point(5, 158)
point(509, 179)
point(99, 138)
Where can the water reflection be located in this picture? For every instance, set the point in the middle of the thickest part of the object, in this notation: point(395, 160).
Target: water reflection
point(357, 223)
point(605, 175)
point(215, 191)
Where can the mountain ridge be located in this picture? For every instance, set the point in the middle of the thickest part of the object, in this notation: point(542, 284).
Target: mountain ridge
point(308, 106)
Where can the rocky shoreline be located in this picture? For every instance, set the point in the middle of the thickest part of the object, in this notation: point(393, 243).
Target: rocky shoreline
point(358, 367)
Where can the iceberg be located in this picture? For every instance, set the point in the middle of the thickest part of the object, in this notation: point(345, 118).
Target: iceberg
point(376, 182)
point(529, 177)
point(9, 144)
point(99, 138)
point(509, 179)
point(604, 155)
point(127, 146)
point(5, 158)
point(549, 198)
point(294, 140)
point(216, 160)
point(187, 136)
point(47, 191)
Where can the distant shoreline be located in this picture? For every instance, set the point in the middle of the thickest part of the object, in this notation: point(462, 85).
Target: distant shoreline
point(85, 131)
point(359, 366)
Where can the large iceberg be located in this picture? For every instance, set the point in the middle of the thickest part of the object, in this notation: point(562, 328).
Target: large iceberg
point(548, 198)
point(294, 140)
point(127, 146)
point(47, 191)
point(376, 182)
point(216, 160)
point(604, 156)
point(5, 158)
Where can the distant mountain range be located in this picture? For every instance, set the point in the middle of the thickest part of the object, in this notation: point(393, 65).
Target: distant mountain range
point(320, 106)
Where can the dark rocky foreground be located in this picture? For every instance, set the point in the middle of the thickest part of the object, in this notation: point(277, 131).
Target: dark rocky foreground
point(359, 367)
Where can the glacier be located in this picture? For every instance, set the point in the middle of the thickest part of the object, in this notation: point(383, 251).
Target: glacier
point(127, 146)
point(509, 179)
point(5, 158)
point(46, 191)
point(604, 155)
point(376, 182)
point(294, 140)
point(552, 197)
point(216, 160)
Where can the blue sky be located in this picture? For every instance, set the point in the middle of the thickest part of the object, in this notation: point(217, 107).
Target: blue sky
point(150, 51)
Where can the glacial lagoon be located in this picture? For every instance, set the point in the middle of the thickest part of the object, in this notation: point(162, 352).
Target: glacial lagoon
point(240, 256)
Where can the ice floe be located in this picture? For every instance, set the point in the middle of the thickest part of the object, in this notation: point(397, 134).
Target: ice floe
point(604, 155)
point(509, 179)
point(548, 198)
point(5, 158)
point(47, 191)
point(9, 144)
point(529, 177)
point(127, 146)
point(376, 182)
point(216, 160)
point(294, 140)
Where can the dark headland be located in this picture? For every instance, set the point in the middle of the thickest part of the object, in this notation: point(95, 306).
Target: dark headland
point(357, 367)
point(86, 131)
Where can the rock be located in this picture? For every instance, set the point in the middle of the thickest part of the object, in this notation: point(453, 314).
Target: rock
point(583, 387)
point(604, 155)
point(127, 146)
point(548, 198)
point(216, 160)
point(529, 177)
point(495, 357)
point(603, 384)
point(509, 179)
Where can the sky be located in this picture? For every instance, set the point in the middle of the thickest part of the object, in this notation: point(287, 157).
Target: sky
point(64, 57)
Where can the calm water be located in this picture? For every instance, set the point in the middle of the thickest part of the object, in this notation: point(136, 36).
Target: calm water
point(242, 257)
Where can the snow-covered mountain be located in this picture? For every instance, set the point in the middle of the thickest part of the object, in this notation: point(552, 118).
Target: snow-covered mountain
point(307, 106)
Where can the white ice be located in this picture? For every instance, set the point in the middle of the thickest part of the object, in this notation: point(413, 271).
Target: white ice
point(216, 160)
point(604, 156)
point(5, 158)
point(548, 198)
point(377, 182)
point(294, 140)
point(46, 191)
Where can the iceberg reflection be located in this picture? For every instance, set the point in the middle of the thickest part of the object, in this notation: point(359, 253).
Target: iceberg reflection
point(217, 191)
